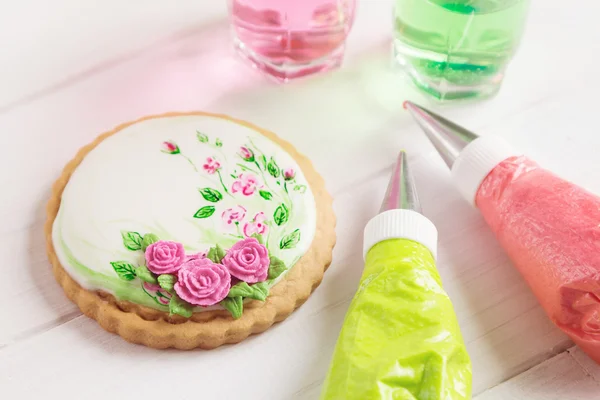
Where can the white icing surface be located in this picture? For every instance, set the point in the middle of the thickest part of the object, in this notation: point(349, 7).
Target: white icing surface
point(128, 184)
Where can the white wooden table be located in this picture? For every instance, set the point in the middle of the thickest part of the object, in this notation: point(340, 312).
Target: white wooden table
point(71, 69)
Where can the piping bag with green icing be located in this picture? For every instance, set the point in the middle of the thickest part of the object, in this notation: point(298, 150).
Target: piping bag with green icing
point(400, 338)
point(549, 227)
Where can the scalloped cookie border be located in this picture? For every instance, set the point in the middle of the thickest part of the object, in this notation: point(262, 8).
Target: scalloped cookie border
point(209, 329)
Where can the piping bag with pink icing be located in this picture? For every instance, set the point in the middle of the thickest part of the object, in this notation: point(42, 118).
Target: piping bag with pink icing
point(549, 227)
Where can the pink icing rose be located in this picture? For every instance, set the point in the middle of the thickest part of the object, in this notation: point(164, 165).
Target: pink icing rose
point(211, 166)
point(164, 296)
point(256, 226)
point(202, 283)
point(170, 148)
point(196, 256)
point(289, 174)
point(248, 261)
point(164, 257)
point(245, 183)
point(246, 154)
point(234, 214)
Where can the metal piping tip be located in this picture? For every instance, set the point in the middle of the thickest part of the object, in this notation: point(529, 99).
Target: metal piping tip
point(401, 192)
point(448, 138)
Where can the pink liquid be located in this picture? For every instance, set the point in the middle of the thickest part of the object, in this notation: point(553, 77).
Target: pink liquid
point(550, 228)
point(289, 38)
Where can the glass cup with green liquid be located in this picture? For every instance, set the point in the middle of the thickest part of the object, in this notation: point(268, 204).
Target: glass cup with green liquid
point(457, 49)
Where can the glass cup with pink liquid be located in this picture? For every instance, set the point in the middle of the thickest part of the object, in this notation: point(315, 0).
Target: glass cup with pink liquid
point(287, 39)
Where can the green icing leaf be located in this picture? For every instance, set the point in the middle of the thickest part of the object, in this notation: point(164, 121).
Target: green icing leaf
point(261, 291)
point(202, 137)
point(263, 161)
point(144, 274)
point(167, 281)
point(216, 254)
point(265, 194)
point(125, 270)
point(235, 305)
point(281, 215)
point(258, 291)
point(240, 289)
point(218, 143)
point(180, 307)
point(220, 252)
point(148, 239)
point(273, 168)
point(211, 255)
point(259, 237)
point(211, 195)
point(276, 268)
point(132, 240)
point(290, 241)
point(205, 212)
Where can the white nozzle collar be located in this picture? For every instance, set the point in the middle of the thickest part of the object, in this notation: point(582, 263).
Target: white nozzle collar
point(475, 163)
point(400, 224)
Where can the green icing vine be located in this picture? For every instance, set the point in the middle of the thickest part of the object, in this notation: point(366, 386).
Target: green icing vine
point(255, 174)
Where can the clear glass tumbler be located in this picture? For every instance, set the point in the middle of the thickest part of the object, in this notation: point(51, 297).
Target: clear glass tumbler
point(456, 49)
point(287, 39)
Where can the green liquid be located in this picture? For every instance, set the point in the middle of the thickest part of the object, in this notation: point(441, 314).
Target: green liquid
point(458, 49)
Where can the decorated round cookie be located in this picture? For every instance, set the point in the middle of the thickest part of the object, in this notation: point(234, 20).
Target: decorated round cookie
point(189, 230)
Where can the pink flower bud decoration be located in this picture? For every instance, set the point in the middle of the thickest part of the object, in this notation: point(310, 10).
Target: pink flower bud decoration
point(170, 148)
point(256, 226)
point(160, 294)
point(247, 154)
point(202, 283)
point(211, 165)
point(245, 183)
point(289, 174)
point(248, 260)
point(164, 257)
point(234, 214)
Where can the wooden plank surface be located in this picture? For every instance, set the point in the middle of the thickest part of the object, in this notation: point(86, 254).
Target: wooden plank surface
point(569, 375)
